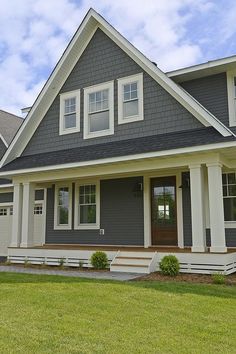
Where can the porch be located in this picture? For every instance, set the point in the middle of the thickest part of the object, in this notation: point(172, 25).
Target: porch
point(129, 220)
point(126, 259)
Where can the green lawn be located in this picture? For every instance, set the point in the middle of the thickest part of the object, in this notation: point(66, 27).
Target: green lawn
point(52, 314)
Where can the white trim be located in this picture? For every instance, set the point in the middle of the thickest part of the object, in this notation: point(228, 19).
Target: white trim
point(147, 211)
point(231, 97)
point(179, 205)
point(230, 224)
point(63, 96)
point(87, 90)
point(203, 66)
point(69, 225)
point(71, 55)
point(3, 140)
point(162, 153)
point(128, 80)
point(2, 186)
point(78, 226)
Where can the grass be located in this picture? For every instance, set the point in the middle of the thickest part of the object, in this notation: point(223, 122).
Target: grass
point(53, 314)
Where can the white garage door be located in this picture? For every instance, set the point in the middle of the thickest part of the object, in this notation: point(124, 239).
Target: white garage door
point(5, 228)
point(6, 212)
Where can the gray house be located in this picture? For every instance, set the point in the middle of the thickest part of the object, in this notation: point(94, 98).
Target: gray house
point(116, 155)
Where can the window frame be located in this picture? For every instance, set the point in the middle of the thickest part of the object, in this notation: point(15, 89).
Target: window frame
point(231, 74)
point(95, 88)
point(129, 80)
point(64, 96)
point(77, 225)
point(56, 189)
point(228, 223)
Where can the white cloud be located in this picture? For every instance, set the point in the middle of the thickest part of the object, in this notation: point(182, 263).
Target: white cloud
point(34, 33)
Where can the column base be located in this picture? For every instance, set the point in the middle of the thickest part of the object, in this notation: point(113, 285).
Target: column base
point(218, 249)
point(199, 249)
point(13, 244)
point(25, 245)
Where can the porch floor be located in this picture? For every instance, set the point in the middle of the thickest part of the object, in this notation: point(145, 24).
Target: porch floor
point(171, 249)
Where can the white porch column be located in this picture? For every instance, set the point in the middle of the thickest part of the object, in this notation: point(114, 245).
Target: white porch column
point(197, 209)
point(17, 212)
point(27, 215)
point(147, 211)
point(216, 208)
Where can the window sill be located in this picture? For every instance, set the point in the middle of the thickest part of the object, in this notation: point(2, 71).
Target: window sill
point(230, 224)
point(130, 119)
point(98, 134)
point(69, 131)
point(57, 227)
point(87, 227)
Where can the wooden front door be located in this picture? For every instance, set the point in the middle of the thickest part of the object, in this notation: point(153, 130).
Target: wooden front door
point(164, 216)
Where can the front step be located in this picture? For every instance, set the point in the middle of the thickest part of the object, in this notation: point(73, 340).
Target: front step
point(134, 262)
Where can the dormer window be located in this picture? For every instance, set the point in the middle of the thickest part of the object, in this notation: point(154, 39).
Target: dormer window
point(130, 99)
point(99, 110)
point(70, 112)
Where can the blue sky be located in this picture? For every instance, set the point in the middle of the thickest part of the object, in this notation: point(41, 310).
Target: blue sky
point(173, 33)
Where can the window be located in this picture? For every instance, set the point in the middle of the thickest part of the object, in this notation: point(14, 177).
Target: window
point(130, 99)
point(3, 211)
point(38, 209)
point(231, 88)
point(87, 208)
point(69, 112)
point(63, 206)
point(229, 196)
point(99, 110)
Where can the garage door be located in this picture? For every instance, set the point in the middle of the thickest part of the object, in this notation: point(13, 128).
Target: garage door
point(6, 212)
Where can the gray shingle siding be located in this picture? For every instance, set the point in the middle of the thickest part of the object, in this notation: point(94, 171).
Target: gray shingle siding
point(230, 236)
point(103, 61)
point(211, 92)
point(121, 216)
point(6, 197)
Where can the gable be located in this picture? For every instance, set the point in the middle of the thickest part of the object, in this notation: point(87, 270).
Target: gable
point(73, 52)
point(104, 61)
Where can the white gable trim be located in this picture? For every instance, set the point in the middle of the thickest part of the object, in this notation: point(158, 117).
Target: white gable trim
point(65, 65)
point(3, 140)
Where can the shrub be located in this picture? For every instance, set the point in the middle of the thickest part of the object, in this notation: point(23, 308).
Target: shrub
point(81, 264)
point(61, 262)
point(169, 265)
point(218, 278)
point(99, 260)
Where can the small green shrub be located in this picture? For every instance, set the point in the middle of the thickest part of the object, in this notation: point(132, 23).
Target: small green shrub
point(81, 264)
point(218, 278)
point(169, 265)
point(61, 262)
point(99, 260)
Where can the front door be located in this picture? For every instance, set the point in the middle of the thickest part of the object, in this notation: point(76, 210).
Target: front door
point(164, 216)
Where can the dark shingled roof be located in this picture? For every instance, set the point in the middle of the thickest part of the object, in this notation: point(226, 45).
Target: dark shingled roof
point(146, 144)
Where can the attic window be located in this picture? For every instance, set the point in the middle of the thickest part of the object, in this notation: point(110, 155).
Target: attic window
point(99, 110)
point(69, 112)
point(130, 99)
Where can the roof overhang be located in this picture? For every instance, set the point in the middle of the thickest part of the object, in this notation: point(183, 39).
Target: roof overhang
point(202, 70)
point(128, 158)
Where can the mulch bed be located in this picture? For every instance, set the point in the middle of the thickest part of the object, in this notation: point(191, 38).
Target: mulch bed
point(188, 278)
point(54, 267)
